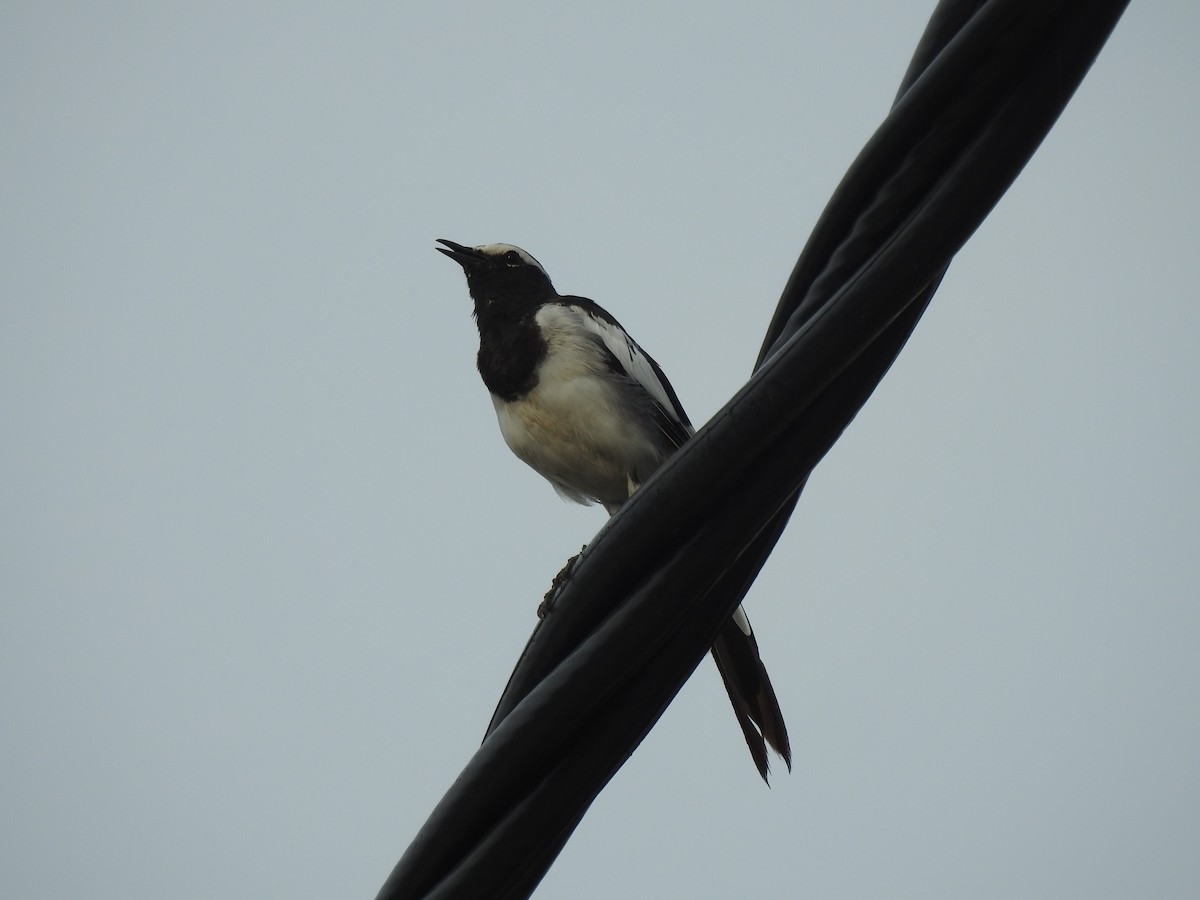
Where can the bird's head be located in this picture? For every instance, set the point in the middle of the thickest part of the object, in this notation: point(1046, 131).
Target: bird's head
point(500, 274)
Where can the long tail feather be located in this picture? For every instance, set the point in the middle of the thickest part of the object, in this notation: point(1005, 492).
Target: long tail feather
point(754, 703)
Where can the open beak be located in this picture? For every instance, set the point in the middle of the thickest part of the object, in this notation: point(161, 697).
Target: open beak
point(467, 257)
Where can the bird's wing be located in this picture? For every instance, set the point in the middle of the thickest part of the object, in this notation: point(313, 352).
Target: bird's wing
point(628, 359)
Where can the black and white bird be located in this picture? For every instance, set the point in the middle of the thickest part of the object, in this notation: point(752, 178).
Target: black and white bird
point(580, 402)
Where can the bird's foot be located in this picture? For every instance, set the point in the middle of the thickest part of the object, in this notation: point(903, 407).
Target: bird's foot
point(556, 585)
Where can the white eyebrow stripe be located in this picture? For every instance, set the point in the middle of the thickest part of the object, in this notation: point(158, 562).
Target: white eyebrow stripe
point(501, 249)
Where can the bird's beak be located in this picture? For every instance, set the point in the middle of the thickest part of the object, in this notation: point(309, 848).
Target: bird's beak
point(467, 257)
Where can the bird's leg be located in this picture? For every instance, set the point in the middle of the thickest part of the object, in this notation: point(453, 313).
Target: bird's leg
point(556, 585)
point(631, 485)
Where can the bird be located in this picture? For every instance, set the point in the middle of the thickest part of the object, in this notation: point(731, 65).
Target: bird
point(580, 402)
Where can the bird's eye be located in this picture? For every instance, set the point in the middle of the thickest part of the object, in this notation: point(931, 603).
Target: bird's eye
point(513, 258)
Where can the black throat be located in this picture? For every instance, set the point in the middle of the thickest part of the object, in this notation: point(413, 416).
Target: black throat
point(510, 345)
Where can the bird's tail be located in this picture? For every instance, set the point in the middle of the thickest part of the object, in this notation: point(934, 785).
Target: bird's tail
point(736, 654)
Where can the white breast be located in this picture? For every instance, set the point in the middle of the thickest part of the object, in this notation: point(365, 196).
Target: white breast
point(579, 427)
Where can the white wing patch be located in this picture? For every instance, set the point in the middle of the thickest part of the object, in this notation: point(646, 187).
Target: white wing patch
point(632, 359)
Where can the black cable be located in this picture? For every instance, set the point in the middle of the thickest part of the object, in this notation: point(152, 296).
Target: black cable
point(646, 599)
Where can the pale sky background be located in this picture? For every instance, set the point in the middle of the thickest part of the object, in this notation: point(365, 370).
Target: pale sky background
point(266, 563)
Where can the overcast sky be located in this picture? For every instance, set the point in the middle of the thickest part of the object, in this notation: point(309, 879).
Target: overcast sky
point(266, 563)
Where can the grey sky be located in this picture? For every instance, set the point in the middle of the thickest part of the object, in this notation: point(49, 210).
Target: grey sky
point(266, 562)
